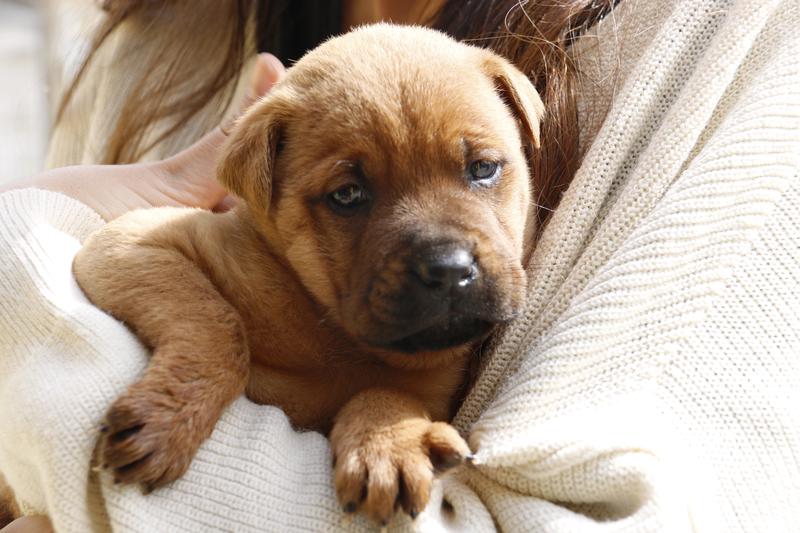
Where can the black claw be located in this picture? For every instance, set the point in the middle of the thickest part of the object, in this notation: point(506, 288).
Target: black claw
point(413, 514)
point(470, 457)
point(385, 522)
point(104, 428)
point(350, 507)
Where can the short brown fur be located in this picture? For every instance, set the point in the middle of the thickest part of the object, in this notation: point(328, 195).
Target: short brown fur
point(282, 295)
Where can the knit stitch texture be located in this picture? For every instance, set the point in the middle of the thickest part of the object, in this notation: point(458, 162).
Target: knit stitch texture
point(650, 385)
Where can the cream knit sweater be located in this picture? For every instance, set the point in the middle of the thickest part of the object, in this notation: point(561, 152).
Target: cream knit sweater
point(653, 383)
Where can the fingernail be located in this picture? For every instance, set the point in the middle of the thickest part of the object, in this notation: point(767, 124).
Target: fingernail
point(268, 71)
point(273, 63)
point(350, 508)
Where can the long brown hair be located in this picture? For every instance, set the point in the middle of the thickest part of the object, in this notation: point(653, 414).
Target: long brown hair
point(534, 34)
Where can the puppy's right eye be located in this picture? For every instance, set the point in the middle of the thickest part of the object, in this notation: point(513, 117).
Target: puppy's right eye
point(483, 172)
point(346, 200)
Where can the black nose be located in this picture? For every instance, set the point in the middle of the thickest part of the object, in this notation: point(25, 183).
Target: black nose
point(446, 268)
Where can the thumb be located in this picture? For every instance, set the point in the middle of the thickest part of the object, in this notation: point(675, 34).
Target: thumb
point(192, 170)
point(267, 71)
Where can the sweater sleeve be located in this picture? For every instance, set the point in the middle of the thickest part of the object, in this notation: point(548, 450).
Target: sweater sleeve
point(63, 362)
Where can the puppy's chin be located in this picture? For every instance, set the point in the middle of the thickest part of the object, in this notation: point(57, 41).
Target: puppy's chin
point(456, 331)
point(416, 330)
point(453, 331)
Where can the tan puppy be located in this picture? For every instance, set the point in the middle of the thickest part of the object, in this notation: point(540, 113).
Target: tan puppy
point(384, 218)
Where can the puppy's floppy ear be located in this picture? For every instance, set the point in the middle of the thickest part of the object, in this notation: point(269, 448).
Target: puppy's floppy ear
point(519, 94)
point(249, 154)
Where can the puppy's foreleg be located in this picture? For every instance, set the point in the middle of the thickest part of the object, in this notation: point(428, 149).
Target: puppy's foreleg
point(199, 365)
point(386, 449)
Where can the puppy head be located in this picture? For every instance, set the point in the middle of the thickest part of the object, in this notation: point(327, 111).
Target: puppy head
point(388, 169)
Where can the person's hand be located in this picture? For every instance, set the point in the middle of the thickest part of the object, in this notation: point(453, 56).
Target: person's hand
point(185, 179)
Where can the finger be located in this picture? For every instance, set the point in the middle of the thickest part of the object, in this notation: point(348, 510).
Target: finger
point(267, 71)
point(191, 172)
point(227, 203)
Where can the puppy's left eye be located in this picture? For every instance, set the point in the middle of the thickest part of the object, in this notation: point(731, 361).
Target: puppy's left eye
point(347, 199)
point(483, 172)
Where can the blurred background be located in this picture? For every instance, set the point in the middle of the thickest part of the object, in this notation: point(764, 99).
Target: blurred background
point(40, 44)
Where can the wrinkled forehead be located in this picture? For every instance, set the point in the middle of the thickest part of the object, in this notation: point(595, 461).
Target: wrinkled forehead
point(396, 112)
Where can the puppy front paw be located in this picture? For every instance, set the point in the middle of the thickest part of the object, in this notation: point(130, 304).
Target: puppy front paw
point(379, 468)
point(151, 434)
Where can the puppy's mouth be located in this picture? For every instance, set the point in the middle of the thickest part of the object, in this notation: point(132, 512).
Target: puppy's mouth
point(455, 331)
